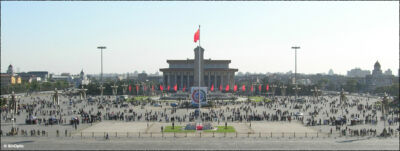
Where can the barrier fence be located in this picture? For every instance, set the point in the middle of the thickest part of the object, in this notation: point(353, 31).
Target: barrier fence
point(85, 135)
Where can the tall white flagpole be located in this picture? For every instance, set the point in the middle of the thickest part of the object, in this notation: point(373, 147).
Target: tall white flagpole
point(198, 91)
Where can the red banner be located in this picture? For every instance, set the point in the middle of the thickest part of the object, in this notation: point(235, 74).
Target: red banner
point(130, 88)
point(212, 87)
point(227, 88)
point(243, 88)
point(161, 88)
point(235, 88)
point(259, 87)
point(251, 88)
point(267, 87)
point(176, 87)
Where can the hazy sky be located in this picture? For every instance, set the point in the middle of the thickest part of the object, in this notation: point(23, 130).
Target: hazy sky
point(256, 36)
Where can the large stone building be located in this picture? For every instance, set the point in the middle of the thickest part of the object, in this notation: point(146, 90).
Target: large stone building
point(378, 79)
point(184, 73)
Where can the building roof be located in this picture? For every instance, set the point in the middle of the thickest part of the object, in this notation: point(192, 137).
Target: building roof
point(191, 69)
point(206, 61)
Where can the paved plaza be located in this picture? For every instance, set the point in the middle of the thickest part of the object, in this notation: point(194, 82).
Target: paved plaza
point(258, 125)
point(30, 143)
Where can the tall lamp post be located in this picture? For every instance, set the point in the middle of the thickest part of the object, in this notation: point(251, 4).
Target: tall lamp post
point(101, 75)
point(295, 69)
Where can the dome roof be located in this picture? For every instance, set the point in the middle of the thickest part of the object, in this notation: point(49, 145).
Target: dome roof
point(377, 65)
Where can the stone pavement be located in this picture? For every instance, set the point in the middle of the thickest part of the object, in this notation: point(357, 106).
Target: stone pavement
point(44, 143)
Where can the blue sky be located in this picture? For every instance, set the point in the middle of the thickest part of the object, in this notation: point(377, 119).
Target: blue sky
point(256, 36)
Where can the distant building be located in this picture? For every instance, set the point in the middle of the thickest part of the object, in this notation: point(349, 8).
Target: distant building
point(142, 77)
point(388, 72)
point(330, 72)
point(10, 70)
point(357, 72)
point(377, 79)
point(82, 79)
point(44, 75)
point(7, 79)
point(65, 74)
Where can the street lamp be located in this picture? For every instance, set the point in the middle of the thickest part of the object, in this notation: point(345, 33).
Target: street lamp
point(283, 90)
point(101, 76)
point(295, 69)
point(273, 87)
point(315, 91)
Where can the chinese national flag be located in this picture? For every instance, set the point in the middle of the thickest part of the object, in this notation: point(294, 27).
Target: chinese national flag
point(212, 87)
point(130, 88)
point(235, 88)
point(161, 88)
point(176, 87)
point(251, 89)
point(152, 88)
point(267, 87)
point(168, 87)
point(243, 88)
point(220, 87)
point(227, 88)
point(259, 87)
point(197, 35)
point(184, 87)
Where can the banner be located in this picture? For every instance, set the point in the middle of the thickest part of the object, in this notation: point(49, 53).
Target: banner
point(195, 92)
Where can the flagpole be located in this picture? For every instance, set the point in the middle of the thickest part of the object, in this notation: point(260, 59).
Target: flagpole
point(198, 91)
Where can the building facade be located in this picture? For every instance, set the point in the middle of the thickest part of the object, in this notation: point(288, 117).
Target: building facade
point(185, 73)
point(378, 79)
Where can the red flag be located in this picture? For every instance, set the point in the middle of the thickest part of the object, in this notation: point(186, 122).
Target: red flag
point(130, 88)
point(168, 87)
point(235, 88)
point(267, 87)
point(176, 87)
point(251, 89)
point(227, 88)
point(220, 87)
point(212, 87)
point(152, 88)
point(259, 87)
point(161, 88)
point(197, 35)
point(184, 87)
point(243, 88)
point(137, 87)
point(144, 88)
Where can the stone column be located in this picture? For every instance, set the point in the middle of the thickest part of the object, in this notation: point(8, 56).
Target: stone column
point(176, 79)
point(215, 80)
point(187, 77)
point(198, 61)
point(209, 80)
point(168, 79)
point(181, 80)
point(222, 80)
